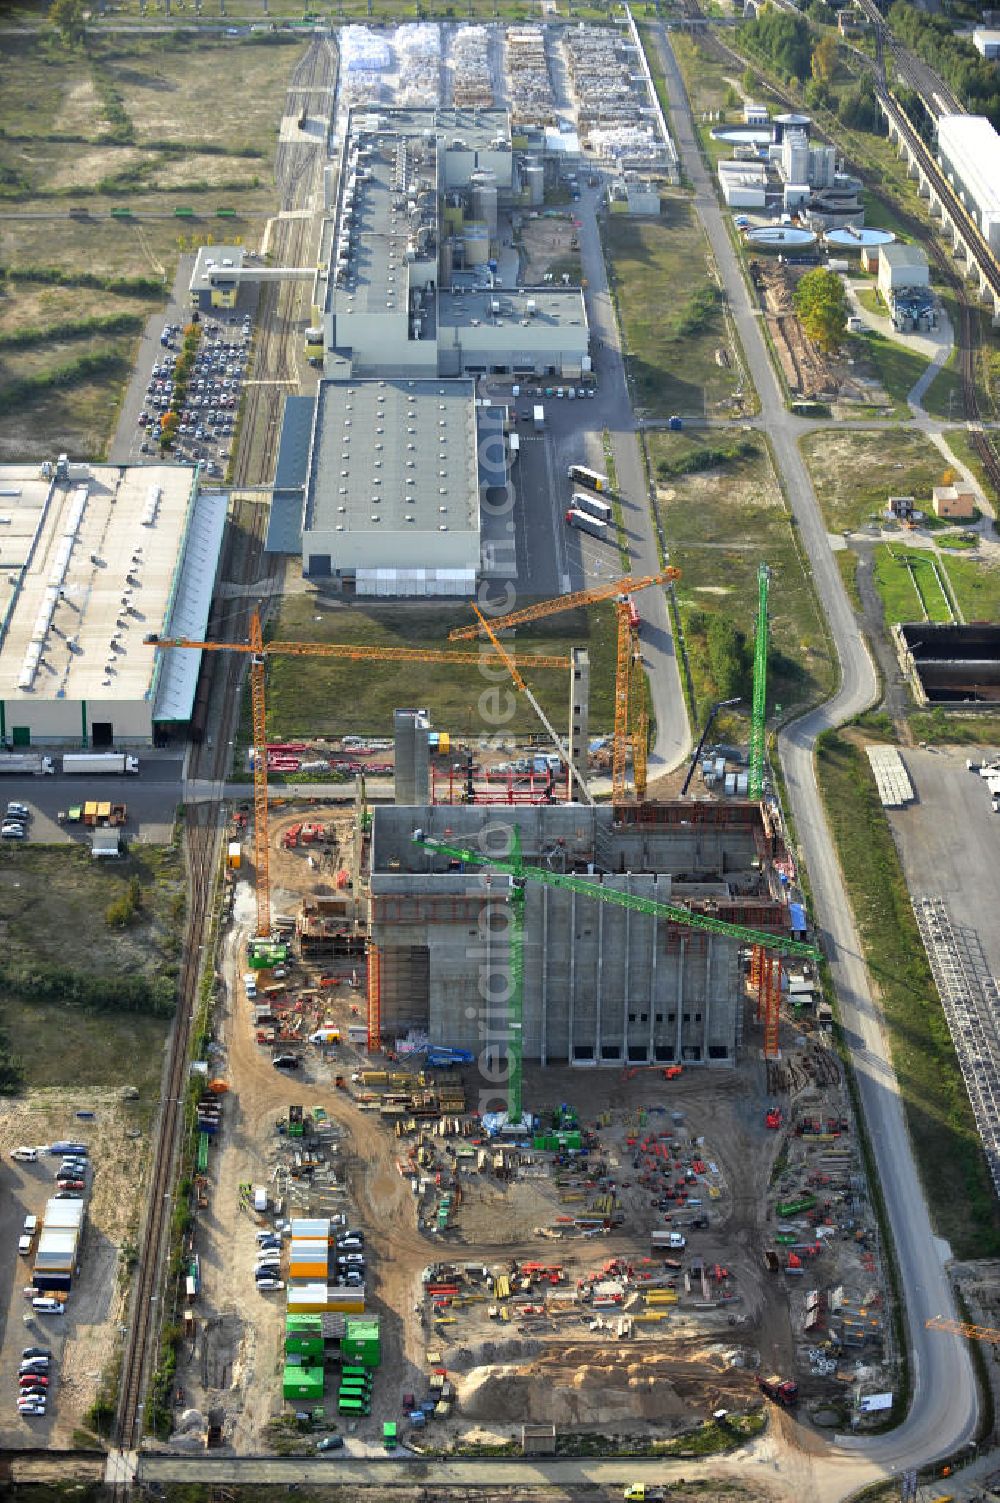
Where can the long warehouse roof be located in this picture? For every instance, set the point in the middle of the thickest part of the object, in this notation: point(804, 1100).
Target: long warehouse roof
point(972, 147)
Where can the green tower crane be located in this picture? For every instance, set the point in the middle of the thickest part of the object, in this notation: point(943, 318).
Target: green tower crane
point(755, 780)
point(521, 873)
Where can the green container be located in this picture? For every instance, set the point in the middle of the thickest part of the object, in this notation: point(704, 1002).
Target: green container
point(304, 1383)
point(794, 1207)
point(362, 1341)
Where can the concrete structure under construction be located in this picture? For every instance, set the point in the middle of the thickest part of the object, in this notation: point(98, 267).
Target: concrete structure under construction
point(91, 560)
point(603, 985)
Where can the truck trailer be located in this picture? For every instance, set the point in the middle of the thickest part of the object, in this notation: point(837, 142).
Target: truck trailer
point(586, 523)
point(30, 764)
point(592, 505)
point(539, 417)
point(592, 478)
point(98, 762)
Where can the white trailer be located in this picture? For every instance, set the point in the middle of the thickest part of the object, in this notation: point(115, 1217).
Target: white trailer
point(592, 505)
point(100, 762)
point(27, 764)
point(539, 417)
point(586, 523)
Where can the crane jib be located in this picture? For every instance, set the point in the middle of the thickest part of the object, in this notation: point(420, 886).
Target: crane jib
point(669, 911)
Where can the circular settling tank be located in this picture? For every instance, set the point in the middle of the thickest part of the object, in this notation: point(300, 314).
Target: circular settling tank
point(858, 240)
point(781, 237)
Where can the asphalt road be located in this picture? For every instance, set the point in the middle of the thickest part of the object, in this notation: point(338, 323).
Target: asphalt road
point(152, 798)
point(673, 734)
point(944, 1408)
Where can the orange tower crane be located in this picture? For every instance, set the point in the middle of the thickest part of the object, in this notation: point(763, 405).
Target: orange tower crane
point(962, 1328)
point(626, 681)
point(259, 651)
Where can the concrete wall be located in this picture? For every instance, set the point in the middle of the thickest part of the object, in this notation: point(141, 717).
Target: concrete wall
point(67, 722)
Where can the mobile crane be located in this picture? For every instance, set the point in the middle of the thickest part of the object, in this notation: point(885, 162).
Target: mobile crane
point(626, 680)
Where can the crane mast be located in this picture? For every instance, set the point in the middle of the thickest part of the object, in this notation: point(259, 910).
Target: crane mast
point(755, 780)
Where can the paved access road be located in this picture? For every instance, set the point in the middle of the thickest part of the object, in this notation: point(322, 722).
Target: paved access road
point(944, 1410)
point(673, 736)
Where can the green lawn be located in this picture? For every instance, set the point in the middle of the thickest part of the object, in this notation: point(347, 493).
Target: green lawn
point(908, 585)
point(331, 697)
point(50, 892)
point(946, 1143)
point(855, 472)
point(976, 584)
point(671, 309)
point(719, 525)
point(961, 445)
point(899, 368)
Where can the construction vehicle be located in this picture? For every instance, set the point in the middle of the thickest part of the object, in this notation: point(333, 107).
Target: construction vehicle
point(258, 652)
point(781, 1390)
point(768, 946)
point(626, 682)
point(104, 815)
point(641, 1492)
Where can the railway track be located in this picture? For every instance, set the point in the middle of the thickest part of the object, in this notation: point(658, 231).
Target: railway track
point(243, 559)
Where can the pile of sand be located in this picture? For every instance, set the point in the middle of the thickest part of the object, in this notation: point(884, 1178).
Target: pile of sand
point(593, 1394)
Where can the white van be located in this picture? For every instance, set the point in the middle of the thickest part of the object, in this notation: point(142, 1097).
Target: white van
point(259, 1198)
point(250, 984)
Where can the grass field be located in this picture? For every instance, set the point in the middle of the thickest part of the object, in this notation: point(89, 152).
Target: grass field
point(942, 1128)
point(120, 124)
point(53, 905)
point(671, 312)
point(855, 472)
point(908, 585)
point(961, 446)
point(899, 369)
point(719, 525)
point(327, 697)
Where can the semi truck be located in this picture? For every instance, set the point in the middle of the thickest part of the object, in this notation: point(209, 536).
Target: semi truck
point(592, 505)
point(586, 523)
point(97, 762)
point(27, 764)
point(582, 476)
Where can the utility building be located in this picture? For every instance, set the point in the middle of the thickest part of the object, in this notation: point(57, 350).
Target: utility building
point(602, 985)
point(215, 282)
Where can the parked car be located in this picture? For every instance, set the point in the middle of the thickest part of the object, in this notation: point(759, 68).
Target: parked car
point(36, 1351)
point(25, 1155)
point(69, 1149)
point(17, 811)
point(9, 831)
point(46, 1306)
point(264, 1285)
point(330, 1443)
point(285, 1062)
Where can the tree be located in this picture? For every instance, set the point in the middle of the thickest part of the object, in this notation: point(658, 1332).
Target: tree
point(728, 658)
point(67, 17)
point(824, 59)
point(821, 303)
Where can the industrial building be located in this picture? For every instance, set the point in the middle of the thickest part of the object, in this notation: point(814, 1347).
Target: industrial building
point(904, 283)
point(602, 985)
point(969, 149)
point(987, 43)
point(414, 307)
point(211, 289)
point(91, 560)
point(391, 503)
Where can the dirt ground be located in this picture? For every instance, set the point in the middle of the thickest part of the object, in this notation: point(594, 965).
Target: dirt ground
point(811, 375)
point(84, 1340)
point(548, 245)
point(560, 1359)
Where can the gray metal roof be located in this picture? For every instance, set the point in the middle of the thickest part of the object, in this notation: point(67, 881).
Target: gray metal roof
point(293, 448)
point(392, 453)
point(465, 307)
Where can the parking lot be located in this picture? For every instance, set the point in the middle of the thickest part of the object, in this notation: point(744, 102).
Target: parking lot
point(151, 800)
point(212, 399)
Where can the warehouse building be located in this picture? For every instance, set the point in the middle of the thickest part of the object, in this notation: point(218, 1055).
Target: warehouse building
point(523, 331)
point(602, 985)
point(392, 497)
point(91, 561)
point(969, 149)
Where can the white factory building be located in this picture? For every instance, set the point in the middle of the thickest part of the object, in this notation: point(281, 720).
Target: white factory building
point(969, 149)
point(91, 561)
point(377, 481)
point(987, 43)
point(391, 494)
